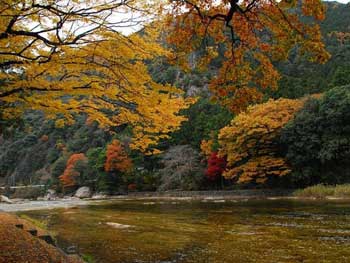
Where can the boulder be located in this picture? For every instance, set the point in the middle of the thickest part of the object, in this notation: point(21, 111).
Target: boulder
point(50, 195)
point(5, 199)
point(83, 192)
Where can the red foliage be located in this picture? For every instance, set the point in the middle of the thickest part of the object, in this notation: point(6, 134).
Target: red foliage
point(216, 166)
point(67, 178)
point(117, 158)
point(132, 187)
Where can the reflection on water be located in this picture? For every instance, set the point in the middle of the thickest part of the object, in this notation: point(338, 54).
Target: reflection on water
point(194, 231)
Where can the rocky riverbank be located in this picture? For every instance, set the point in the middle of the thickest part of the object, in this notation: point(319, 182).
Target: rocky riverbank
point(15, 205)
point(85, 197)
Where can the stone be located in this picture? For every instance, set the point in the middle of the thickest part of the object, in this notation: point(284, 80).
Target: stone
point(5, 199)
point(50, 195)
point(83, 192)
point(72, 250)
point(33, 232)
point(117, 225)
point(99, 196)
point(48, 239)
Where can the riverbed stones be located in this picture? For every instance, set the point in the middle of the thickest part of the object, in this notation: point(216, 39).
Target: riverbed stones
point(5, 199)
point(50, 195)
point(83, 192)
point(99, 196)
point(117, 225)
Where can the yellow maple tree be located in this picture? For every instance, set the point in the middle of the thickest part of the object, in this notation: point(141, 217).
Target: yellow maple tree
point(248, 36)
point(250, 142)
point(67, 58)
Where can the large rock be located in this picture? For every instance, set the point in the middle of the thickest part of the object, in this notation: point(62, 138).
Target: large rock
point(83, 192)
point(50, 195)
point(5, 199)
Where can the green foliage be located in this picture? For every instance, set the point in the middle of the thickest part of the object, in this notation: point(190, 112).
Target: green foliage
point(316, 191)
point(317, 142)
point(341, 76)
point(205, 119)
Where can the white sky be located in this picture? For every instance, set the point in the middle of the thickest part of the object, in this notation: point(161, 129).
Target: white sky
point(340, 1)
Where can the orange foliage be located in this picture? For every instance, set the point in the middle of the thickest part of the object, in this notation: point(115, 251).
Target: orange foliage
point(44, 138)
point(252, 34)
point(207, 147)
point(68, 178)
point(249, 142)
point(117, 158)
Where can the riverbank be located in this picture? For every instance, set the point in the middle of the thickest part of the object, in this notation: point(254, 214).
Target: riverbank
point(21, 241)
point(27, 205)
point(202, 196)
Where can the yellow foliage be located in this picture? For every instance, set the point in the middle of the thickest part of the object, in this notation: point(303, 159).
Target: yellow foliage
point(249, 142)
point(84, 66)
point(206, 147)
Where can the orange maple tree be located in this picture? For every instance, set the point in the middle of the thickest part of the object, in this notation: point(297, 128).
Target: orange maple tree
point(117, 159)
point(70, 174)
point(250, 141)
point(248, 36)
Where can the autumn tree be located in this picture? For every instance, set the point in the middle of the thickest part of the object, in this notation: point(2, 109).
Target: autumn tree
point(251, 144)
point(70, 177)
point(216, 166)
point(67, 58)
point(207, 147)
point(117, 159)
point(248, 36)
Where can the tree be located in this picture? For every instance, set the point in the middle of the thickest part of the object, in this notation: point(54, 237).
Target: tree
point(341, 76)
point(182, 169)
point(204, 121)
point(216, 166)
point(251, 144)
point(67, 58)
point(317, 141)
point(249, 35)
point(70, 177)
point(117, 159)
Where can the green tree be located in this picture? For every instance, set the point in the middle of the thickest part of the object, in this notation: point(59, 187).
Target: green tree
point(317, 141)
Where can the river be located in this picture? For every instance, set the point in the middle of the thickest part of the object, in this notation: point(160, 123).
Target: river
point(203, 231)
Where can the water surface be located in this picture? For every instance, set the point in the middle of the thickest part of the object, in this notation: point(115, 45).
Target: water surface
point(204, 231)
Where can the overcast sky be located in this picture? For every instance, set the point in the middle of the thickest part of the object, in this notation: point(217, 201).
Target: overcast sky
point(341, 1)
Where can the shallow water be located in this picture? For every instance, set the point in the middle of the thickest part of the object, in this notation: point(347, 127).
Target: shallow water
point(212, 231)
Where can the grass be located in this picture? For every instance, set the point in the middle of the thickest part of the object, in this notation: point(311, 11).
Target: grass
point(37, 223)
point(323, 191)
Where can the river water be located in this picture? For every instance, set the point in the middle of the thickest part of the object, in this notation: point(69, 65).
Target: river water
point(204, 231)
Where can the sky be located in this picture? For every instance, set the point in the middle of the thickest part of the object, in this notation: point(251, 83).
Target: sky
point(341, 1)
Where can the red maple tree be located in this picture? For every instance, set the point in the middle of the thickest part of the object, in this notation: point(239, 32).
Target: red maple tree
point(216, 166)
point(68, 178)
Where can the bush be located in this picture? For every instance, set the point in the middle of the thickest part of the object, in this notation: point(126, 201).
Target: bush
point(323, 191)
point(317, 191)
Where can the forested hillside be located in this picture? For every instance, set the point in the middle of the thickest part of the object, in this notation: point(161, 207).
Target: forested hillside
point(201, 153)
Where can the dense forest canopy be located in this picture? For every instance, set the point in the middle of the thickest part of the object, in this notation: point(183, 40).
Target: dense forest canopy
point(217, 87)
